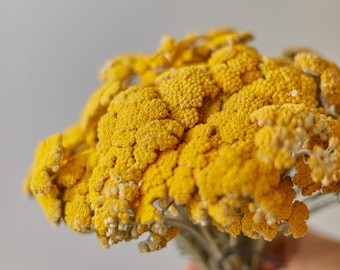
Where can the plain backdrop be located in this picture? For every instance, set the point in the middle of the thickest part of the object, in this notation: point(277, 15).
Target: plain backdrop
point(50, 54)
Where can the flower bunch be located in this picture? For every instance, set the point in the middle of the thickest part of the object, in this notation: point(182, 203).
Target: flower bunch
point(204, 133)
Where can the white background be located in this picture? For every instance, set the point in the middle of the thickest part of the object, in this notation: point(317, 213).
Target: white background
point(50, 54)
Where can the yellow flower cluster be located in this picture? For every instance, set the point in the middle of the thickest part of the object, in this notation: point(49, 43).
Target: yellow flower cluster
point(205, 124)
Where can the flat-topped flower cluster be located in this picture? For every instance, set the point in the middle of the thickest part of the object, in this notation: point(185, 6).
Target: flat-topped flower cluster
point(205, 124)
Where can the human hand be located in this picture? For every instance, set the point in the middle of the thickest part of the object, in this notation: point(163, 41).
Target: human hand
point(311, 252)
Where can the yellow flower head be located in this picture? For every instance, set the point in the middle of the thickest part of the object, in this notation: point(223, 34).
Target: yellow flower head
point(206, 126)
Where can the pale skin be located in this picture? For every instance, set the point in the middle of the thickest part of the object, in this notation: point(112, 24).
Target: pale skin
point(312, 252)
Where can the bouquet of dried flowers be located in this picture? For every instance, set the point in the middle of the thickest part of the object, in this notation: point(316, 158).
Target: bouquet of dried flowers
point(206, 140)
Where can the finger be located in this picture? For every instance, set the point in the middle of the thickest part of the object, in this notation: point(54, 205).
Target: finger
point(191, 266)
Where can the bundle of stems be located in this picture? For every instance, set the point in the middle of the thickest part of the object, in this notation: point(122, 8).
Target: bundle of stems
point(215, 250)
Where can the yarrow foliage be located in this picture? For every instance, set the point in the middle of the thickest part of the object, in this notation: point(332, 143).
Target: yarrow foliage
point(205, 125)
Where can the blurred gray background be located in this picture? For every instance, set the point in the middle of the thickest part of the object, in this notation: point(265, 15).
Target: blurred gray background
point(50, 54)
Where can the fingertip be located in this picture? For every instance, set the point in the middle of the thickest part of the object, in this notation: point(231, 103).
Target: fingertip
point(191, 266)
